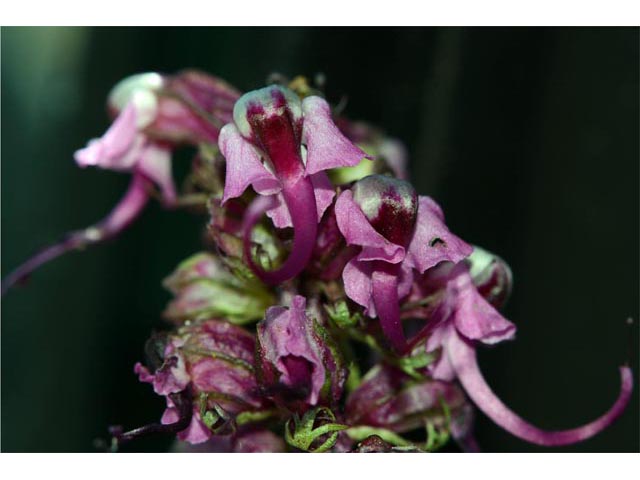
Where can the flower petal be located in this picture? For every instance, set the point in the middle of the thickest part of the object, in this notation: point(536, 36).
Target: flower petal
point(287, 342)
point(432, 241)
point(384, 282)
point(244, 166)
point(327, 147)
point(119, 147)
point(463, 358)
point(442, 369)
point(323, 191)
point(196, 432)
point(473, 316)
point(155, 164)
point(356, 277)
point(279, 213)
point(357, 230)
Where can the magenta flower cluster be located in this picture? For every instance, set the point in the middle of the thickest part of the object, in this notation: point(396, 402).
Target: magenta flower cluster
point(333, 309)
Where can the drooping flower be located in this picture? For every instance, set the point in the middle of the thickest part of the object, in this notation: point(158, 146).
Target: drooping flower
point(463, 318)
point(281, 146)
point(208, 365)
point(400, 233)
point(154, 114)
point(298, 362)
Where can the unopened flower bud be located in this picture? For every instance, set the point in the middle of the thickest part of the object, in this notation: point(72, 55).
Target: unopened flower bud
point(212, 363)
point(204, 288)
point(389, 399)
point(390, 205)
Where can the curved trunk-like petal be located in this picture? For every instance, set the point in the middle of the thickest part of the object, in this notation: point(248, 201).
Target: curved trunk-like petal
point(323, 191)
point(299, 198)
point(463, 357)
point(385, 297)
point(125, 212)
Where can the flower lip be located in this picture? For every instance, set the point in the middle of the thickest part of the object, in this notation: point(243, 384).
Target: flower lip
point(390, 205)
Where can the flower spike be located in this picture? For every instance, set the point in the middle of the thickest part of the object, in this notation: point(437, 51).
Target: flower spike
point(281, 146)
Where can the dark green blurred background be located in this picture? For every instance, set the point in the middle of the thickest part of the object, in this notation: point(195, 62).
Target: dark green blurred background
point(528, 138)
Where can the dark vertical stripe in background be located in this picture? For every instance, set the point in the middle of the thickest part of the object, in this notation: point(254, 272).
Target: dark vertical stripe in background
point(527, 137)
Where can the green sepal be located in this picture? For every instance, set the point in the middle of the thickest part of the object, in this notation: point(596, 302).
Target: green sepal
point(437, 437)
point(354, 379)
point(337, 373)
point(304, 434)
point(217, 419)
point(341, 316)
point(244, 418)
point(207, 286)
point(411, 364)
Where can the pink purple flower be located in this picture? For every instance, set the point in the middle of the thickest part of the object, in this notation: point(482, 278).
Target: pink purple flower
point(154, 114)
point(281, 146)
point(298, 361)
point(463, 318)
point(208, 365)
point(399, 233)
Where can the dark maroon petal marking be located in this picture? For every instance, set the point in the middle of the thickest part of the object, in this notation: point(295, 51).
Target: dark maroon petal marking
point(273, 128)
point(390, 205)
point(299, 370)
point(276, 135)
